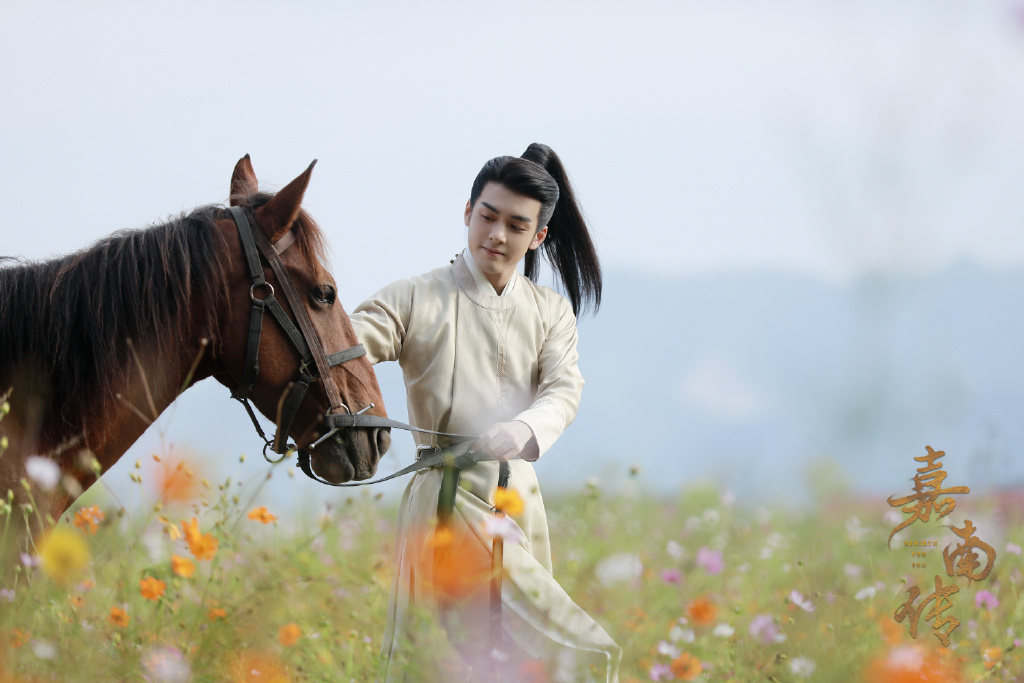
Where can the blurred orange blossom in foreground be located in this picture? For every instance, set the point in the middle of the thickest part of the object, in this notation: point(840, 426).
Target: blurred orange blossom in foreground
point(261, 514)
point(289, 634)
point(202, 546)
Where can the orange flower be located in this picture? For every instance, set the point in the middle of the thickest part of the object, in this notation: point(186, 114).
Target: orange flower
point(118, 617)
point(260, 514)
point(453, 563)
point(151, 588)
point(176, 482)
point(19, 637)
point(686, 667)
point(508, 501)
point(702, 612)
point(991, 656)
point(203, 546)
point(77, 601)
point(182, 566)
point(289, 634)
point(217, 613)
point(257, 667)
point(913, 664)
point(88, 519)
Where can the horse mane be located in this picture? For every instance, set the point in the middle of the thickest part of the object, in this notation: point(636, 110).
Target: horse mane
point(71, 326)
point(68, 325)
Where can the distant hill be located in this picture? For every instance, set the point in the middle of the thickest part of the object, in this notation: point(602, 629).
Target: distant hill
point(748, 379)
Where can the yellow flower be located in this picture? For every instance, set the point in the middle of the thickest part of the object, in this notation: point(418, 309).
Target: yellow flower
point(118, 617)
point(261, 514)
point(170, 528)
point(289, 634)
point(88, 519)
point(686, 667)
point(217, 613)
point(151, 588)
point(182, 566)
point(63, 555)
point(991, 656)
point(508, 501)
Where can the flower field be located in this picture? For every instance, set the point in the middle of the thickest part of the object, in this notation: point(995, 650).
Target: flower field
point(207, 585)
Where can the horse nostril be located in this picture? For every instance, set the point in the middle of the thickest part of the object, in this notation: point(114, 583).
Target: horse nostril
point(383, 441)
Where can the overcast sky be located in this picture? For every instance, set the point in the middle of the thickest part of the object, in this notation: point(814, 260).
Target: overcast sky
point(822, 137)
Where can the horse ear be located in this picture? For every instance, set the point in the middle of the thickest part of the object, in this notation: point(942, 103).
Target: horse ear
point(243, 181)
point(276, 216)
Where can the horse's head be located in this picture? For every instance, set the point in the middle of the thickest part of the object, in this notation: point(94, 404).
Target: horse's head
point(348, 454)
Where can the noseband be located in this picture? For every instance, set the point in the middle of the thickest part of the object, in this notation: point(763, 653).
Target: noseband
point(314, 364)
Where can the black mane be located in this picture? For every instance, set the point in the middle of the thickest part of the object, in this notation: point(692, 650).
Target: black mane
point(65, 324)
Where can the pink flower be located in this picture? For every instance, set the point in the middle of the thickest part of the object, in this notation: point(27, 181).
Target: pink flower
point(661, 672)
point(671, 576)
point(764, 629)
point(710, 560)
point(1013, 548)
point(800, 601)
point(985, 599)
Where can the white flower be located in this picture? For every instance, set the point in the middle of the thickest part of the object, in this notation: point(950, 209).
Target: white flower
point(766, 553)
point(802, 666)
point(865, 593)
point(743, 568)
point(44, 649)
point(852, 570)
point(854, 530)
point(800, 601)
point(892, 517)
point(678, 634)
point(723, 630)
point(167, 665)
point(674, 550)
point(42, 471)
point(711, 516)
point(668, 649)
point(728, 498)
point(775, 540)
point(909, 657)
point(505, 527)
point(619, 568)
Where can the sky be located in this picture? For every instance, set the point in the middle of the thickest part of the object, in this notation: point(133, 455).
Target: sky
point(822, 138)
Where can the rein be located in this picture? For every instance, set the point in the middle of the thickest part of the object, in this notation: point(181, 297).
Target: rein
point(315, 364)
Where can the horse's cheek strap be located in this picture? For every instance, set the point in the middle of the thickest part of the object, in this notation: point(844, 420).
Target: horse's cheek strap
point(287, 409)
point(251, 368)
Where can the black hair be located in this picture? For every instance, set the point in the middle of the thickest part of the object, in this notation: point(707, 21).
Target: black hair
point(539, 174)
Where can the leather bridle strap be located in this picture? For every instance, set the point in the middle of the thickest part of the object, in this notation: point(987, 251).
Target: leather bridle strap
point(302, 317)
point(303, 337)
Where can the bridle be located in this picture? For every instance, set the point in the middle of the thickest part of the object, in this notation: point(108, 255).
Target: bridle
point(314, 363)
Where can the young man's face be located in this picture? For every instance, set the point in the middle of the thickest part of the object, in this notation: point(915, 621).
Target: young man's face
point(502, 228)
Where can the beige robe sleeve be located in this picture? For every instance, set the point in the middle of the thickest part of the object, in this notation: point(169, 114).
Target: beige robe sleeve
point(559, 380)
point(380, 322)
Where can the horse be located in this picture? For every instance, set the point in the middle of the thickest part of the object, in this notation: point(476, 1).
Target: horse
point(96, 344)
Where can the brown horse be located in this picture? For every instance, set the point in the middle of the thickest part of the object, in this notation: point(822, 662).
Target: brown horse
point(95, 345)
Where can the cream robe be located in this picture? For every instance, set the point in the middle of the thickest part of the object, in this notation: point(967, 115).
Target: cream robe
point(470, 359)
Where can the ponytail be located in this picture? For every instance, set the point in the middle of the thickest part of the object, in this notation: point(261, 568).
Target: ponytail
point(539, 174)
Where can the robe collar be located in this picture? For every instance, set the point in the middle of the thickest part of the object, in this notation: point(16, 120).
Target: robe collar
point(478, 288)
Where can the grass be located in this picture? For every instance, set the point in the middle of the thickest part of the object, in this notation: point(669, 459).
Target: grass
point(694, 587)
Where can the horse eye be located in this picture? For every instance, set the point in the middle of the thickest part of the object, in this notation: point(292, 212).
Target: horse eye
point(324, 295)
